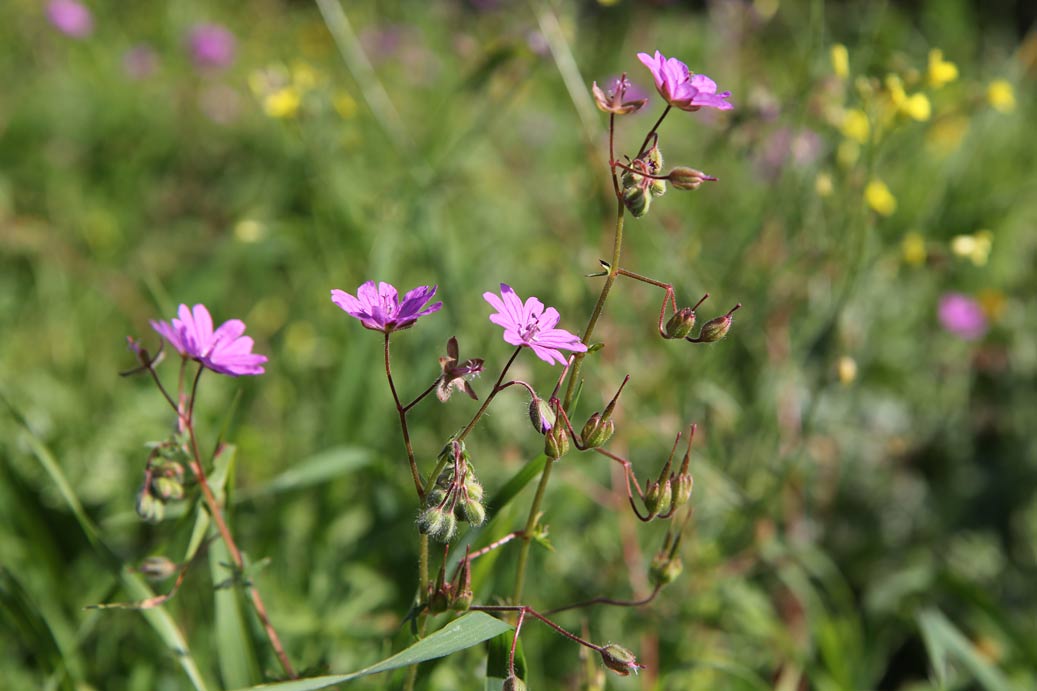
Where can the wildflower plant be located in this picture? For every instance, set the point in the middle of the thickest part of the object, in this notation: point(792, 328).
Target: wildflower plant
point(449, 497)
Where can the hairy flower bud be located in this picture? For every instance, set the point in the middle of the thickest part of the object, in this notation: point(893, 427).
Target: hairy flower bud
point(681, 323)
point(653, 159)
point(556, 443)
point(149, 507)
point(658, 497)
point(684, 178)
point(437, 523)
point(637, 200)
point(472, 511)
point(157, 568)
point(473, 487)
point(715, 329)
point(597, 431)
point(619, 660)
point(681, 486)
point(664, 569)
point(541, 415)
point(167, 488)
point(513, 683)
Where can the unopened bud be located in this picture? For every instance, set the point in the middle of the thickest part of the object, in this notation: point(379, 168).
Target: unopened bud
point(716, 329)
point(473, 488)
point(658, 497)
point(513, 683)
point(167, 489)
point(688, 178)
point(440, 600)
point(541, 415)
point(556, 443)
point(681, 486)
point(597, 431)
point(149, 507)
point(665, 569)
point(157, 568)
point(637, 200)
point(472, 511)
point(437, 523)
point(681, 323)
point(654, 163)
point(619, 660)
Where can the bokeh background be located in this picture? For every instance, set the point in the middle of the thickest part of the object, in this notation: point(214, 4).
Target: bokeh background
point(866, 468)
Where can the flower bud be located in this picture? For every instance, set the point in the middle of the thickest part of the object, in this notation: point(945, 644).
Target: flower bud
point(556, 443)
point(472, 511)
point(440, 600)
point(473, 488)
point(654, 164)
point(619, 660)
point(167, 489)
point(664, 569)
point(149, 507)
point(513, 683)
point(637, 200)
point(715, 329)
point(437, 523)
point(541, 415)
point(157, 568)
point(681, 323)
point(658, 497)
point(681, 486)
point(688, 178)
point(597, 431)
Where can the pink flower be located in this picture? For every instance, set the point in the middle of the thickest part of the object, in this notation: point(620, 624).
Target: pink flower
point(70, 18)
point(211, 46)
point(680, 87)
point(962, 316)
point(380, 309)
point(531, 325)
point(225, 350)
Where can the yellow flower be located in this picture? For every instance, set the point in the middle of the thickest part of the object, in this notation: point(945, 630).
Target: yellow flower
point(823, 184)
point(975, 248)
point(847, 370)
point(993, 302)
point(912, 247)
point(895, 87)
point(855, 126)
point(917, 107)
point(940, 71)
point(879, 198)
point(1001, 95)
point(283, 103)
point(344, 105)
point(840, 61)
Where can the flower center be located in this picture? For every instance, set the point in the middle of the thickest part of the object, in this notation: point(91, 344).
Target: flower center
point(529, 331)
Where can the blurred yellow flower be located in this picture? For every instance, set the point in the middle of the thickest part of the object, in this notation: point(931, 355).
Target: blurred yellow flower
point(823, 184)
point(940, 71)
point(917, 107)
point(344, 105)
point(879, 198)
point(855, 126)
point(993, 303)
point(848, 153)
point(847, 370)
point(895, 87)
point(912, 248)
point(1001, 95)
point(975, 248)
point(248, 230)
point(840, 61)
point(304, 77)
point(283, 103)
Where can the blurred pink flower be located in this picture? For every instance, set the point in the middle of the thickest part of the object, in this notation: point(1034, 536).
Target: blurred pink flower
point(211, 46)
point(531, 325)
point(962, 316)
point(680, 87)
point(226, 350)
point(70, 18)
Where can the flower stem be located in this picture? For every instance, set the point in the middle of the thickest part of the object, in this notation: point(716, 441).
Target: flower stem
point(497, 388)
point(401, 410)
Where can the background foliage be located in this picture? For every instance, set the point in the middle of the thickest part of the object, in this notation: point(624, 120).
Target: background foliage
point(866, 479)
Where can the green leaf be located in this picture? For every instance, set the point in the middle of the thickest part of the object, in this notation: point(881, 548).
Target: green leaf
point(498, 652)
point(945, 642)
point(22, 615)
point(471, 629)
point(315, 470)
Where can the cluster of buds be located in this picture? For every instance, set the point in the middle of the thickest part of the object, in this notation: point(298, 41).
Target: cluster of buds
point(642, 180)
point(681, 324)
point(456, 496)
point(163, 480)
point(670, 491)
point(455, 594)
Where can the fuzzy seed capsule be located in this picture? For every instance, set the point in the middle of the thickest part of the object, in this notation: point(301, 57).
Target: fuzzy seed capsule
point(619, 659)
point(637, 200)
point(597, 431)
point(541, 415)
point(664, 569)
point(658, 498)
point(556, 443)
point(681, 486)
point(681, 323)
point(149, 507)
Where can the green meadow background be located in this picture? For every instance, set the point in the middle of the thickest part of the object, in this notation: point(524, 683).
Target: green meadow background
point(865, 476)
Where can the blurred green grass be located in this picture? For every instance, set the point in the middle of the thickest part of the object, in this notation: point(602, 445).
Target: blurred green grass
point(830, 515)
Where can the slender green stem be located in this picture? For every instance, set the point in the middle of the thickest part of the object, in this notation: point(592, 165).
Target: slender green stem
point(497, 388)
point(401, 410)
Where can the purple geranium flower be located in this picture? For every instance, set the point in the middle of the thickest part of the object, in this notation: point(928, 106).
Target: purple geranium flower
point(962, 316)
point(70, 18)
point(681, 87)
point(225, 350)
point(531, 325)
point(211, 46)
point(380, 309)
